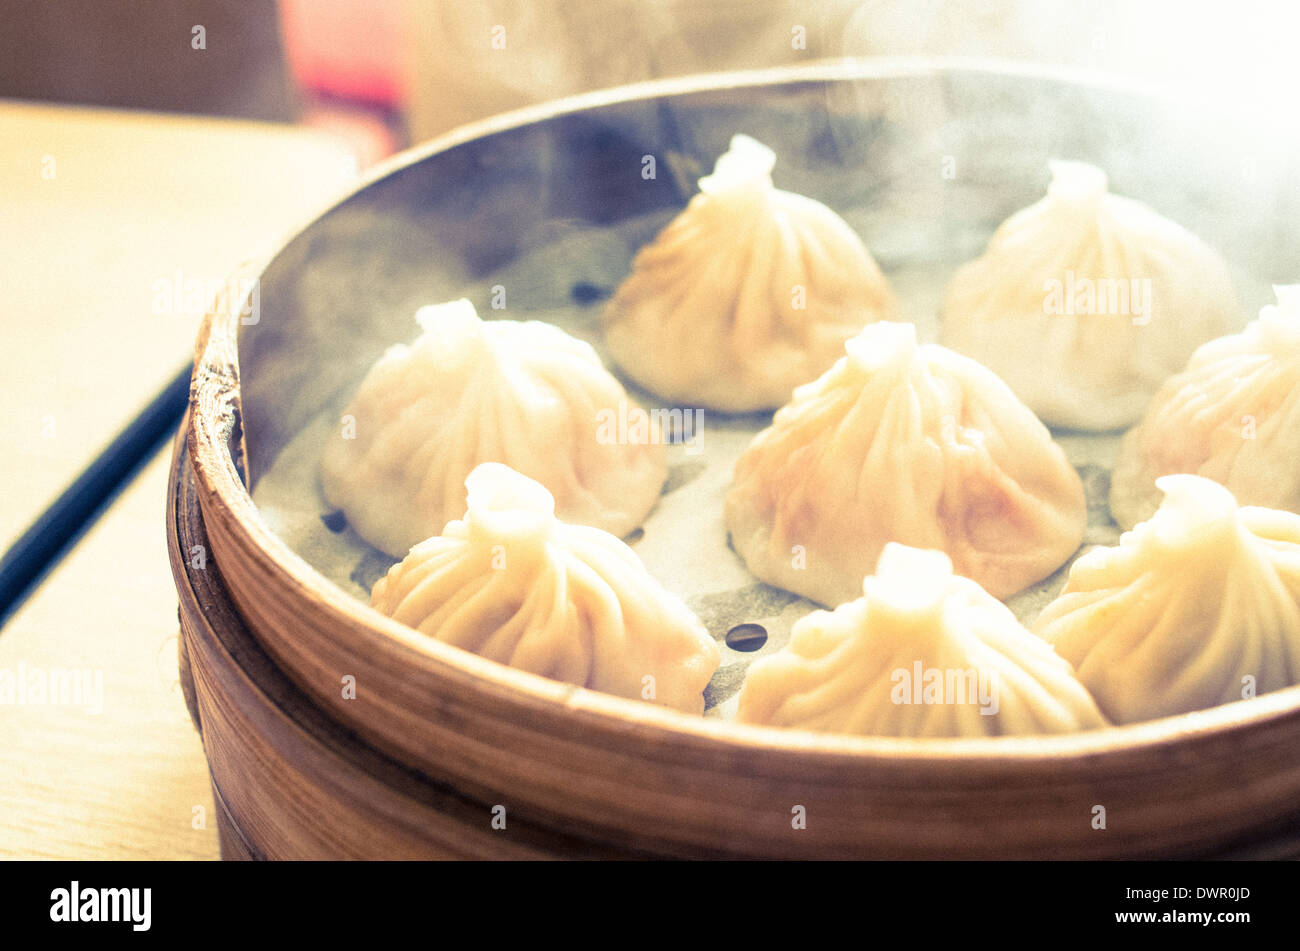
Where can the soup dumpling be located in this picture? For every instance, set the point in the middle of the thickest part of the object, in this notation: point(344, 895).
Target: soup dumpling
point(1233, 415)
point(1198, 606)
point(909, 443)
point(468, 391)
point(511, 582)
point(746, 294)
point(1086, 302)
point(922, 653)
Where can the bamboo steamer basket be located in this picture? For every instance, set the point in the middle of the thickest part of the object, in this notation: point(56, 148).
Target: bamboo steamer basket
point(438, 742)
point(287, 781)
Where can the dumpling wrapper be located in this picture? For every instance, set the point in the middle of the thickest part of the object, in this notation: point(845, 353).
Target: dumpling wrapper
point(1198, 606)
point(1086, 302)
point(469, 391)
point(1233, 415)
point(512, 583)
point(923, 653)
point(900, 442)
point(746, 294)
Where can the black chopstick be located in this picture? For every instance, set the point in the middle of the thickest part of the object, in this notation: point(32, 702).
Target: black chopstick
point(52, 534)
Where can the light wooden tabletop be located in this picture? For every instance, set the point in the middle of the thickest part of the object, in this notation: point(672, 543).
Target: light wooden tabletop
point(113, 228)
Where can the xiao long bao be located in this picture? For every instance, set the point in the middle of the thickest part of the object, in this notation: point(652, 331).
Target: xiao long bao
point(746, 294)
point(1196, 607)
point(1233, 415)
point(469, 391)
point(512, 583)
point(1086, 302)
point(923, 653)
point(906, 443)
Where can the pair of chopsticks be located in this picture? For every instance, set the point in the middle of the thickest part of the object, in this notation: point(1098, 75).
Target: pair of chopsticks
point(56, 529)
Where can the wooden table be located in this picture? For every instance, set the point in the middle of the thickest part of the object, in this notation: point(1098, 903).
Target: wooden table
point(103, 216)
